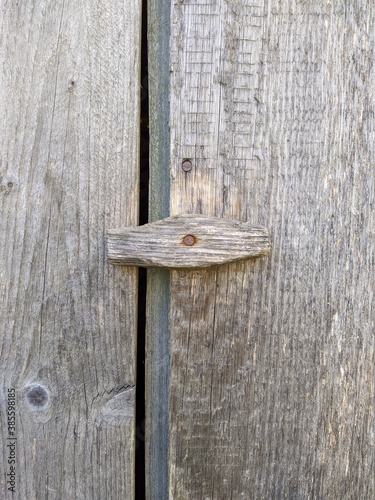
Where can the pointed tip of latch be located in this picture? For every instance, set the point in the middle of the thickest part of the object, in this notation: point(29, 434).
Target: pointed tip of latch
point(187, 241)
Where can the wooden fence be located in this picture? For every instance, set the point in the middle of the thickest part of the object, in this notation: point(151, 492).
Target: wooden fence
point(260, 372)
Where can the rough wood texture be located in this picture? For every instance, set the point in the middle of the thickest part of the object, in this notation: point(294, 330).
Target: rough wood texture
point(69, 153)
point(189, 241)
point(272, 361)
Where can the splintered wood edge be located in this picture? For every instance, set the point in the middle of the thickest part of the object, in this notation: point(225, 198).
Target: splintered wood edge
point(187, 241)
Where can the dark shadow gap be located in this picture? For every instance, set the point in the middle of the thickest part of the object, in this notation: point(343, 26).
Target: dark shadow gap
point(140, 477)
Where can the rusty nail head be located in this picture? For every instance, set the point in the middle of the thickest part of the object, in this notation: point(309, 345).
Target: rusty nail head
point(189, 240)
point(186, 165)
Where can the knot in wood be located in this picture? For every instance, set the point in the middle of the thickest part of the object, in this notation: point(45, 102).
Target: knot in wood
point(37, 395)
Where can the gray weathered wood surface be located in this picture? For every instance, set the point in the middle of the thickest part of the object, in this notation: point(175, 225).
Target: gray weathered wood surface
point(272, 361)
point(189, 241)
point(158, 299)
point(69, 110)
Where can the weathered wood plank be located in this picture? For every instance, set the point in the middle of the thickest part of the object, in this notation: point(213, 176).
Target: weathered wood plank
point(272, 361)
point(69, 152)
point(188, 241)
point(157, 329)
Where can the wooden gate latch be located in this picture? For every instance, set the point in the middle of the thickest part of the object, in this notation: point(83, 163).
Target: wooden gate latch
point(187, 241)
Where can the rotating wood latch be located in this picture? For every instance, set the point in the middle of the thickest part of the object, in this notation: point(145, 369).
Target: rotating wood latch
point(187, 241)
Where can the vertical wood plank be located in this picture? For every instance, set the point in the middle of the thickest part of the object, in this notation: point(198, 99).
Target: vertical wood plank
point(157, 323)
point(272, 361)
point(69, 102)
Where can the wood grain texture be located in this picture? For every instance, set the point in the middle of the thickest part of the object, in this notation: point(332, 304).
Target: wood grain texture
point(189, 241)
point(272, 361)
point(158, 300)
point(69, 102)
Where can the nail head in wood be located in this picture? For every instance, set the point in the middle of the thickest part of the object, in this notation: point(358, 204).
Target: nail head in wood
point(186, 165)
point(206, 241)
point(189, 240)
